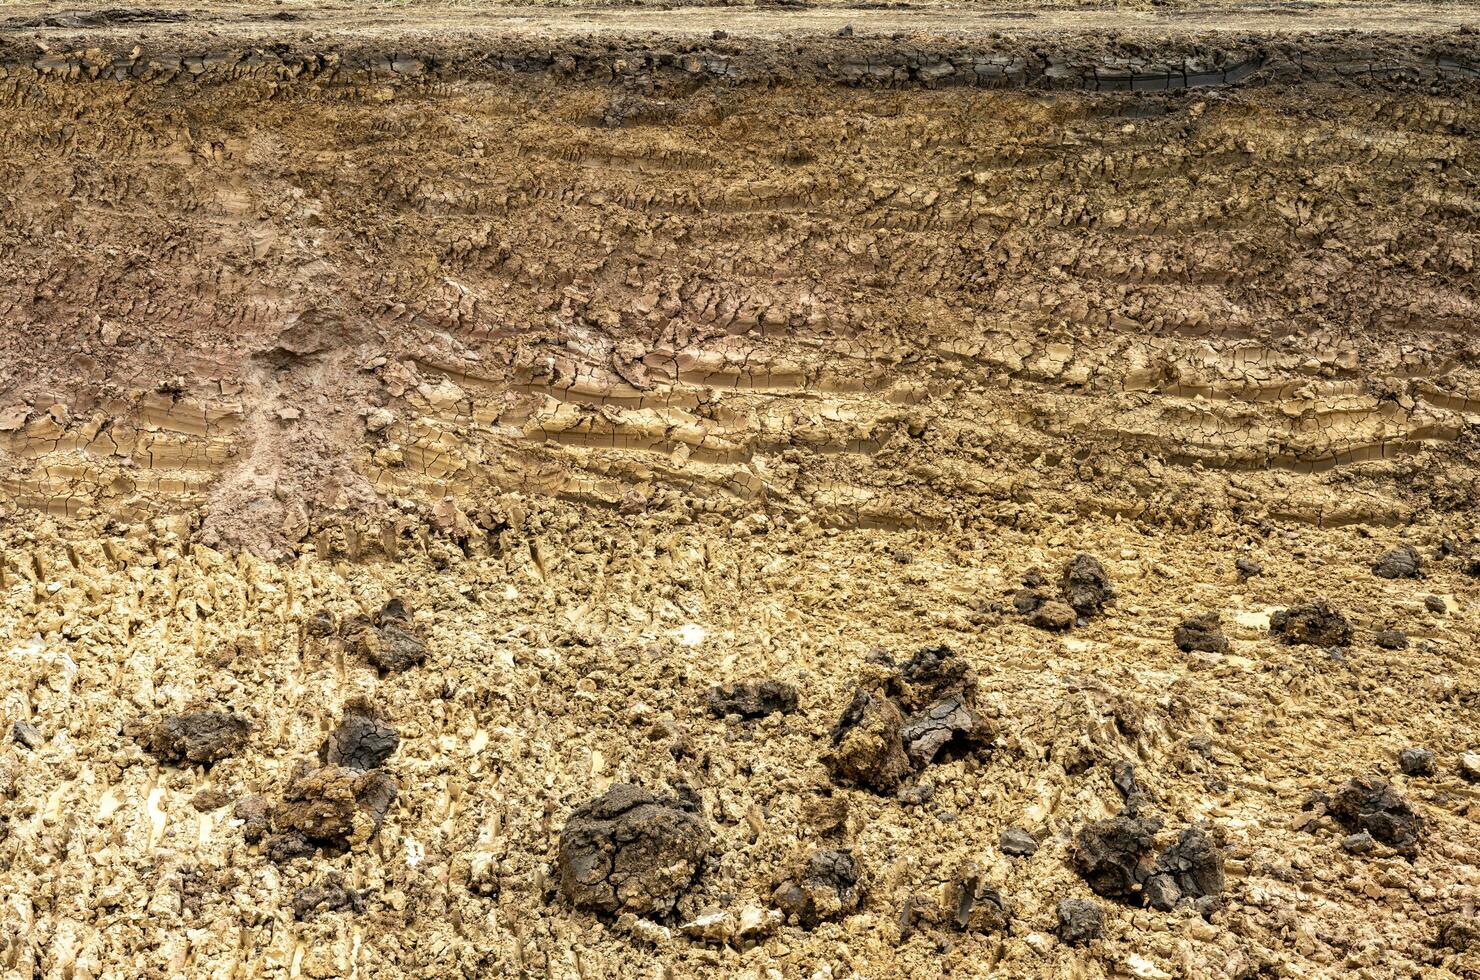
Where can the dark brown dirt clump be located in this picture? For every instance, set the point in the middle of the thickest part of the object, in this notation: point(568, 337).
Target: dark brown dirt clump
point(1312, 624)
point(828, 886)
point(197, 737)
point(631, 851)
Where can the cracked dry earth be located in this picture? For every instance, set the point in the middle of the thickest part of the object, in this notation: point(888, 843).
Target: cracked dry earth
point(751, 491)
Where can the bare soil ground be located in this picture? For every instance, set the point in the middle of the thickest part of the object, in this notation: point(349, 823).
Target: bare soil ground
point(412, 416)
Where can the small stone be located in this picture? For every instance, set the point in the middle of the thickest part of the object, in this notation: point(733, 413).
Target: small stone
point(1080, 921)
point(321, 624)
point(1469, 766)
point(27, 734)
point(1434, 604)
point(1391, 639)
point(379, 419)
point(1417, 762)
point(916, 794)
point(1359, 843)
point(1162, 893)
point(1248, 567)
point(1018, 842)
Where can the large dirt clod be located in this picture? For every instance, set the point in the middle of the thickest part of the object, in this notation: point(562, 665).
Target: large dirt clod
point(1371, 804)
point(1116, 856)
point(867, 747)
point(631, 851)
point(1312, 624)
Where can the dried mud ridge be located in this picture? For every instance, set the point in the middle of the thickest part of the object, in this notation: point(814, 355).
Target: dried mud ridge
point(310, 285)
point(806, 506)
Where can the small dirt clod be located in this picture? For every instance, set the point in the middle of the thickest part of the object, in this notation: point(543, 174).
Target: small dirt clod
point(752, 699)
point(1417, 762)
point(1201, 633)
point(1085, 586)
point(362, 740)
point(827, 887)
point(1080, 921)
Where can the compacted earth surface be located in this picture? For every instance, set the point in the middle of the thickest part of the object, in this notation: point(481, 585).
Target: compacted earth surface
point(779, 490)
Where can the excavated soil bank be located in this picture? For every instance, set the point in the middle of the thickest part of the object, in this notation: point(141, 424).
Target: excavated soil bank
point(751, 491)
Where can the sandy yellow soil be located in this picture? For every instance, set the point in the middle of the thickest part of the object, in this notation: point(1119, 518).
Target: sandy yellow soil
point(409, 413)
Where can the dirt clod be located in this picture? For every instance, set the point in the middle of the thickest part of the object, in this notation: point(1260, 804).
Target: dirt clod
point(1366, 803)
point(254, 813)
point(1080, 921)
point(867, 748)
point(631, 851)
point(826, 887)
point(329, 896)
point(1417, 762)
point(1460, 933)
point(752, 699)
point(363, 739)
point(1203, 633)
point(1313, 624)
point(335, 807)
point(1191, 868)
point(1053, 616)
point(974, 905)
point(321, 624)
point(1085, 585)
point(949, 724)
point(197, 737)
point(1116, 856)
point(1391, 639)
point(1400, 562)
